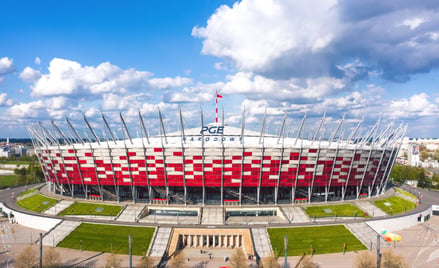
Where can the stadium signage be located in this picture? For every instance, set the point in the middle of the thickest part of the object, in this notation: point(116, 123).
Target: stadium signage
point(215, 138)
point(212, 130)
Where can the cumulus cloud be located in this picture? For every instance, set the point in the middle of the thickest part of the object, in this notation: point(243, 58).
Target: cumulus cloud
point(37, 61)
point(55, 107)
point(299, 90)
point(199, 93)
point(6, 67)
point(285, 39)
point(4, 100)
point(260, 35)
point(35, 109)
point(418, 105)
point(30, 75)
point(168, 82)
point(68, 77)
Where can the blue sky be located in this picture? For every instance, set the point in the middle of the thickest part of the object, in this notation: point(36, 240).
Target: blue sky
point(366, 59)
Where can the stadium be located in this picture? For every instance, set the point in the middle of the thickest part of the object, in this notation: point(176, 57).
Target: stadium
point(216, 164)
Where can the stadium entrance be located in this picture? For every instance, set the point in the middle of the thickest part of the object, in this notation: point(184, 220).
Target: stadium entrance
point(210, 239)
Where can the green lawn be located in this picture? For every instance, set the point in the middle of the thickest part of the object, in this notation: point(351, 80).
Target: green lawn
point(17, 162)
point(406, 193)
point(344, 210)
point(107, 238)
point(394, 205)
point(8, 181)
point(37, 203)
point(79, 208)
point(323, 239)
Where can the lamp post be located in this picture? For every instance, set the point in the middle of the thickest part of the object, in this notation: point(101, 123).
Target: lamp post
point(286, 249)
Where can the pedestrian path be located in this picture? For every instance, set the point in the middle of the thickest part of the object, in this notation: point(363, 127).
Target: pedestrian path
point(130, 213)
point(295, 214)
point(160, 242)
point(59, 233)
point(262, 242)
point(213, 216)
point(365, 234)
point(58, 207)
point(370, 209)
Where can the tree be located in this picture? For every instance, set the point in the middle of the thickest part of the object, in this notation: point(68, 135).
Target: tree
point(269, 262)
point(364, 260)
point(178, 261)
point(435, 180)
point(51, 258)
point(392, 260)
point(145, 262)
point(238, 259)
point(308, 262)
point(423, 155)
point(113, 261)
point(27, 258)
point(423, 181)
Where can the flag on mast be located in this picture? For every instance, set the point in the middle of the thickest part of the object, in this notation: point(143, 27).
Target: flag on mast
point(216, 105)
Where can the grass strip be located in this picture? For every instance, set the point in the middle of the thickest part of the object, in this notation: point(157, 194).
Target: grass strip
point(79, 208)
point(344, 210)
point(37, 203)
point(401, 191)
point(322, 239)
point(394, 205)
point(109, 238)
point(31, 190)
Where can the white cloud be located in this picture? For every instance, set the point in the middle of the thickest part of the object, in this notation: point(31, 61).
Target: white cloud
point(200, 93)
point(6, 67)
point(254, 33)
point(37, 61)
point(91, 112)
point(68, 77)
point(285, 39)
point(168, 82)
point(4, 101)
point(257, 86)
point(413, 23)
point(56, 107)
point(417, 105)
point(35, 109)
point(220, 66)
point(30, 75)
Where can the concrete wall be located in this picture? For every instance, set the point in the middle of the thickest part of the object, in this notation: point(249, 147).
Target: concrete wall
point(32, 221)
point(399, 223)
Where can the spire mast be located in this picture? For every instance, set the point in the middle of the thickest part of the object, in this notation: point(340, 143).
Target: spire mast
point(216, 105)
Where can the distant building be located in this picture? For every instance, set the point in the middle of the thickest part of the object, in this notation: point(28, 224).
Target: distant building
point(9, 150)
point(413, 155)
point(5, 152)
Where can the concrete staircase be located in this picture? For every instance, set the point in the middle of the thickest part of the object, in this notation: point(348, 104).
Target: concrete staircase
point(365, 234)
point(295, 214)
point(370, 209)
point(58, 207)
point(160, 242)
point(130, 213)
point(59, 233)
point(262, 242)
point(213, 216)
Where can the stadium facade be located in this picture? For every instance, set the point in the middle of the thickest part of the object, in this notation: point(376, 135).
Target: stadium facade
point(216, 164)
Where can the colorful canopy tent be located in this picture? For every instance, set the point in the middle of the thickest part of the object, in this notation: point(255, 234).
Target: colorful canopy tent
point(389, 237)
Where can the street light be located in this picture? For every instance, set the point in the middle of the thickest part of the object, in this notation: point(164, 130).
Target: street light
point(286, 249)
